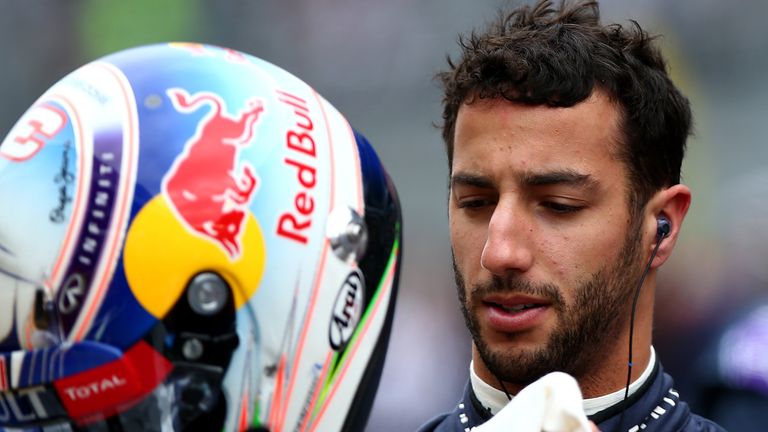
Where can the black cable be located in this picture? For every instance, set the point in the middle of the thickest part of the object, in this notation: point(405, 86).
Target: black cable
point(661, 237)
point(504, 388)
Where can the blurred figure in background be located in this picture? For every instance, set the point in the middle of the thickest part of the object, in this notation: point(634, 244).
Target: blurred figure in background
point(731, 382)
point(731, 378)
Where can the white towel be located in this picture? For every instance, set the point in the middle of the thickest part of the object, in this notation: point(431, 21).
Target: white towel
point(551, 404)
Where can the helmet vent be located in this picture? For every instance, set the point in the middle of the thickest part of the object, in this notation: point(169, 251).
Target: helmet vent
point(347, 233)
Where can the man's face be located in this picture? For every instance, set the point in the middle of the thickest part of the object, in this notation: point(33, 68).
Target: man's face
point(545, 253)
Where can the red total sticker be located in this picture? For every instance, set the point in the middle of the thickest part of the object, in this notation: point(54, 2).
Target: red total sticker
point(108, 389)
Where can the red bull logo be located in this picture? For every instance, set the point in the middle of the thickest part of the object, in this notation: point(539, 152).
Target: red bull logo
point(203, 187)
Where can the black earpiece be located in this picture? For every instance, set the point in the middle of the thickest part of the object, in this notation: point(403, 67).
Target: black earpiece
point(663, 228)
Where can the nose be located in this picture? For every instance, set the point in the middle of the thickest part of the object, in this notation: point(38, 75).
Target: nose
point(507, 245)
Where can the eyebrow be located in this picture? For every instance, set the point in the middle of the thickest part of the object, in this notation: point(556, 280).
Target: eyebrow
point(475, 180)
point(559, 177)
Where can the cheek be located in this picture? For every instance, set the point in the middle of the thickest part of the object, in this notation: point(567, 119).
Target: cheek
point(573, 258)
point(467, 245)
point(568, 256)
point(562, 260)
point(462, 243)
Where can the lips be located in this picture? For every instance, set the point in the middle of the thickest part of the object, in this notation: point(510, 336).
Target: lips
point(516, 308)
point(510, 314)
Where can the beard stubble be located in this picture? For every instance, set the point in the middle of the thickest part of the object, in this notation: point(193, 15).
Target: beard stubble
point(598, 312)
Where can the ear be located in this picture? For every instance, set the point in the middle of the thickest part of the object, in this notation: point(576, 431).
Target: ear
point(673, 204)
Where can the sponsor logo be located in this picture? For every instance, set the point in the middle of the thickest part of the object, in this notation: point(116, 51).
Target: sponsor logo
point(347, 310)
point(114, 386)
point(95, 388)
point(294, 224)
point(93, 238)
point(203, 186)
point(72, 295)
point(23, 406)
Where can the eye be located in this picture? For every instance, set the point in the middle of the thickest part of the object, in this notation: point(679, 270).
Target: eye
point(474, 203)
point(560, 208)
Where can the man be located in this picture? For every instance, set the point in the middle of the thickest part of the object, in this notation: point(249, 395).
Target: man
point(565, 140)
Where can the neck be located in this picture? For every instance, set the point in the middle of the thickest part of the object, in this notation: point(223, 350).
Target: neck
point(495, 400)
point(612, 376)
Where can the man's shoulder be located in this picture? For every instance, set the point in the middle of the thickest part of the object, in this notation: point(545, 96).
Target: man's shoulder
point(449, 422)
point(698, 423)
point(656, 407)
point(466, 414)
point(460, 419)
point(436, 424)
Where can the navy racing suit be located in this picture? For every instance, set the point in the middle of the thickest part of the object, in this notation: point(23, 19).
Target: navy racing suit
point(655, 406)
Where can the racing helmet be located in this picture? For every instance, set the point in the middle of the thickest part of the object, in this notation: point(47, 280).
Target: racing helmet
point(191, 238)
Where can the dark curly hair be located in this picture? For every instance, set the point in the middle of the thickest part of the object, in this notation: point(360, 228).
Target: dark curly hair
point(542, 55)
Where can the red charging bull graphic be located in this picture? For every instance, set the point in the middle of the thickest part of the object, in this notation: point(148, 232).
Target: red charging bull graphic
point(202, 185)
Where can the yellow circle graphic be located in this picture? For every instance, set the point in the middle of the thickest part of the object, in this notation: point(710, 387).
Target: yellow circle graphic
point(162, 255)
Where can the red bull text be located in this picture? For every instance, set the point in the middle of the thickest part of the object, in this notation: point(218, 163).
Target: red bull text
point(294, 224)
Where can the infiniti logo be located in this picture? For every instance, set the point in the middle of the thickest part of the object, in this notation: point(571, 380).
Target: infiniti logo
point(73, 291)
